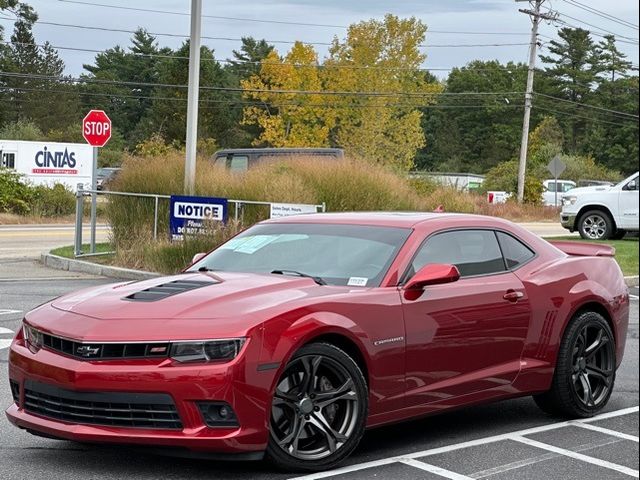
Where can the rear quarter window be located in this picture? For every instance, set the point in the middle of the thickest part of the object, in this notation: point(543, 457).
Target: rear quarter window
point(515, 252)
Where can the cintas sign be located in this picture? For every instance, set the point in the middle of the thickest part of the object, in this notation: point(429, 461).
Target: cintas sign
point(96, 128)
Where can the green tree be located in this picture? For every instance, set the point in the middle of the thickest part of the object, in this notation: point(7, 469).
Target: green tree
point(611, 59)
point(246, 61)
point(574, 66)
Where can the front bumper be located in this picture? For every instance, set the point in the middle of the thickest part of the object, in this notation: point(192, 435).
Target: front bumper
point(568, 221)
point(237, 383)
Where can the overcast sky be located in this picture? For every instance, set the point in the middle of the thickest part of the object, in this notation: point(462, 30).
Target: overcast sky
point(487, 16)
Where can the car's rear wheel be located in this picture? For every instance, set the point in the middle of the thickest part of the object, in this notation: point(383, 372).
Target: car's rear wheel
point(585, 370)
point(596, 225)
point(319, 410)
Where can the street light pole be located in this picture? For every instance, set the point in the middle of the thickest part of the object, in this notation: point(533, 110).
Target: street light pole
point(193, 98)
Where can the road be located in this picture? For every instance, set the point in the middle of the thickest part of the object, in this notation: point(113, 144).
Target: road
point(490, 441)
point(29, 241)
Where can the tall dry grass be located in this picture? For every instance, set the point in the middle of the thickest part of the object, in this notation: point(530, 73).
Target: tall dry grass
point(350, 185)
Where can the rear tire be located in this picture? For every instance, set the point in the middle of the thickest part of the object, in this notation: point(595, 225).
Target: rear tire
point(596, 225)
point(319, 410)
point(585, 369)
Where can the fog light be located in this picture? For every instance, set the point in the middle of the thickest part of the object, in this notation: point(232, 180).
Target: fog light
point(218, 414)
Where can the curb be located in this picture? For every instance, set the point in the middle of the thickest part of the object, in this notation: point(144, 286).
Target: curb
point(632, 281)
point(72, 265)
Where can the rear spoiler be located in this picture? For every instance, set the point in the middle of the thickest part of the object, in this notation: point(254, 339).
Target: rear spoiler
point(583, 249)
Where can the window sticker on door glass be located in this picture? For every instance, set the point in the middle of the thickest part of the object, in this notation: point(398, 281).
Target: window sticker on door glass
point(357, 281)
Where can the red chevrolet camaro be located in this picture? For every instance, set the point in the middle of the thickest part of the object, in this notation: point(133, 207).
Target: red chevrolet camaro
point(298, 334)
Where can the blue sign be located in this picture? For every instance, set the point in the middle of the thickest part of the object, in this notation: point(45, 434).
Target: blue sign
point(195, 215)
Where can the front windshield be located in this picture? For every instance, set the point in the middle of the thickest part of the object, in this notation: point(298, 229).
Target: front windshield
point(352, 255)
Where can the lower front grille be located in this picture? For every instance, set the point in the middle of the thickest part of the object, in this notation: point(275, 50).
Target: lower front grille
point(15, 391)
point(136, 410)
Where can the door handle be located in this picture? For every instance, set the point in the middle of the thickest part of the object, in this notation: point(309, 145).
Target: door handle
point(513, 296)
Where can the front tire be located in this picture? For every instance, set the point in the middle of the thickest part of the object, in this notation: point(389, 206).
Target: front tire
point(596, 225)
point(319, 410)
point(585, 369)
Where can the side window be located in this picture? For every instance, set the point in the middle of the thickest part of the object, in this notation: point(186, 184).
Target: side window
point(239, 163)
point(8, 160)
point(515, 252)
point(551, 187)
point(632, 185)
point(474, 252)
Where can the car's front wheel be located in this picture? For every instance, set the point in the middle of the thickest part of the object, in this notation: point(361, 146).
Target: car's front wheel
point(585, 369)
point(319, 410)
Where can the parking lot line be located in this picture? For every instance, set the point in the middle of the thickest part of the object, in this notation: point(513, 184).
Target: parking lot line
point(433, 469)
point(577, 456)
point(470, 443)
point(608, 431)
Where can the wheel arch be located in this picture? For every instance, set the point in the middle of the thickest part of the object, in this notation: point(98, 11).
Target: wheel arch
point(599, 207)
point(347, 345)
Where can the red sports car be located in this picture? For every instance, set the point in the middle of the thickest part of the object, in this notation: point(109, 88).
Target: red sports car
point(298, 334)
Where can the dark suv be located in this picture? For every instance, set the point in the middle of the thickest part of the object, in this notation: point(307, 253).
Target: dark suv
point(241, 159)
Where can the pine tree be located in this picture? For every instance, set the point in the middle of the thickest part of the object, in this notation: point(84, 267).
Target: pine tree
point(612, 60)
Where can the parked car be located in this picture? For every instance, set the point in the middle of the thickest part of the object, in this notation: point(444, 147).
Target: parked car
point(106, 175)
point(241, 159)
point(292, 338)
point(602, 212)
point(553, 191)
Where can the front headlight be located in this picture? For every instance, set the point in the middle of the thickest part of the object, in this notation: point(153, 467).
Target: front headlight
point(223, 350)
point(32, 336)
point(569, 200)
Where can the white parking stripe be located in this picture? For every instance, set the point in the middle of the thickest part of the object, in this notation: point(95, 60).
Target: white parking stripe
point(578, 456)
point(5, 342)
point(633, 297)
point(608, 431)
point(458, 446)
point(433, 469)
point(8, 312)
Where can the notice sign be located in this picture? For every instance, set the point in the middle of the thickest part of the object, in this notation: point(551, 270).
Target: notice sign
point(279, 210)
point(195, 215)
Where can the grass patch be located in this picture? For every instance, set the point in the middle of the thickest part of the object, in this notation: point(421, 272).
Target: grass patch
point(68, 252)
point(626, 251)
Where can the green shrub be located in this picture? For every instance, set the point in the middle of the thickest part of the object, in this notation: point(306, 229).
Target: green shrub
point(504, 177)
point(52, 201)
point(15, 195)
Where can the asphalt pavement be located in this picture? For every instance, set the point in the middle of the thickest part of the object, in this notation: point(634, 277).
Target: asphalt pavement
point(507, 440)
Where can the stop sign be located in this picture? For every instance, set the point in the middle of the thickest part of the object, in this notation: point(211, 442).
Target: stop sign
point(96, 128)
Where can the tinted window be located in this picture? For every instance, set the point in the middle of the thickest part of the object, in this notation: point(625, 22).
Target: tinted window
point(515, 252)
point(239, 163)
point(474, 252)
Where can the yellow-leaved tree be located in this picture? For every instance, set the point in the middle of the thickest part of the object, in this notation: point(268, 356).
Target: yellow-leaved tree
point(373, 90)
point(381, 56)
point(288, 119)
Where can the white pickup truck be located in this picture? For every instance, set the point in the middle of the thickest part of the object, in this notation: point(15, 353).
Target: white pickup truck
point(602, 212)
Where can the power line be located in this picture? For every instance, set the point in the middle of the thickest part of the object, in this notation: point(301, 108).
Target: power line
point(599, 28)
point(558, 112)
point(251, 90)
point(256, 20)
point(602, 14)
point(587, 105)
point(286, 42)
point(259, 63)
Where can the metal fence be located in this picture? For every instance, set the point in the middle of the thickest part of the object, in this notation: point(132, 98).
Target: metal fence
point(238, 208)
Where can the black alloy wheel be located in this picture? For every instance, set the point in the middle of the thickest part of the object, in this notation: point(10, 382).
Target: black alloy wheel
point(319, 410)
point(585, 370)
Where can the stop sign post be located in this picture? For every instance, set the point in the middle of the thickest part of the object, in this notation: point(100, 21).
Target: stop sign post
point(96, 130)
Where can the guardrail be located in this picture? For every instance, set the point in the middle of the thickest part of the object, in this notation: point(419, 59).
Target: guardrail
point(82, 193)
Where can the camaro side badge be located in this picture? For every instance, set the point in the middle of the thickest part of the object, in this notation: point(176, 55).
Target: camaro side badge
point(377, 343)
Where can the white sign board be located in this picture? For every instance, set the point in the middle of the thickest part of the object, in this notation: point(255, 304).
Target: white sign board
point(279, 210)
point(48, 163)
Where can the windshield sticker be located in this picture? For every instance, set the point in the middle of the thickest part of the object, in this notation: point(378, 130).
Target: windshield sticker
point(234, 243)
point(255, 243)
point(357, 281)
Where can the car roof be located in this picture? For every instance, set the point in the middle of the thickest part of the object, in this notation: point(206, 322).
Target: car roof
point(387, 219)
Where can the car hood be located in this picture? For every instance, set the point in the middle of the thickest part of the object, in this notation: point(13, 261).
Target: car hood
point(224, 304)
point(591, 189)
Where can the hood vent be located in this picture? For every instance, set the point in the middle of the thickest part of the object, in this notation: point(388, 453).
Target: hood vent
point(166, 290)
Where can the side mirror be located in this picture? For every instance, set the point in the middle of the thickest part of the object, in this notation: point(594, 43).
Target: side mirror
point(433, 274)
point(197, 257)
point(632, 185)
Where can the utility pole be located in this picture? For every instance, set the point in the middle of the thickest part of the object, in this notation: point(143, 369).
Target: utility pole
point(528, 96)
point(193, 97)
